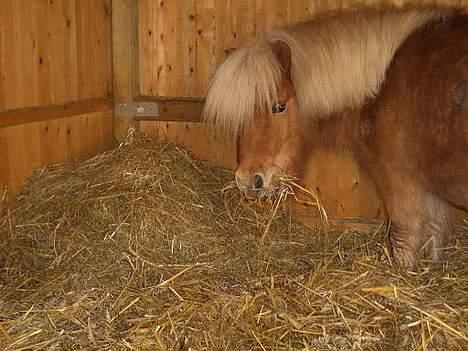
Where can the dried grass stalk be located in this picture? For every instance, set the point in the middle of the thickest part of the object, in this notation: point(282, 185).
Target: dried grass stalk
point(145, 248)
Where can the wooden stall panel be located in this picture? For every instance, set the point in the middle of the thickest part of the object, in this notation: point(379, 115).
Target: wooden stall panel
point(345, 191)
point(53, 51)
point(206, 146)
point(94, 56)
point(55, 84)
point(182, 41)
point(29, 146)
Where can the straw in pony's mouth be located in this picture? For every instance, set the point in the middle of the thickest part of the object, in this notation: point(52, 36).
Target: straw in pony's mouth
point(282, 188)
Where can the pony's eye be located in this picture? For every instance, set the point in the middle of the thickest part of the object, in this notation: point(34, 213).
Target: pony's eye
point(278, 108)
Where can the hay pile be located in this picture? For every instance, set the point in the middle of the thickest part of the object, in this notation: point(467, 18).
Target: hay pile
point(144, 248)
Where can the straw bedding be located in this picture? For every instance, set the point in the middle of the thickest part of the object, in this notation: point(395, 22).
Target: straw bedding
point(145, 248)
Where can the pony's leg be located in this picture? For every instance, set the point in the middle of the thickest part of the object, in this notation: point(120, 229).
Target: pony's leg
point(405, 240)
point(437, 226)
point(420, 223)
point(406, 237)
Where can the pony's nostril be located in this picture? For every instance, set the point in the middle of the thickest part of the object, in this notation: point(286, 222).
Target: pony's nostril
point(257, 181)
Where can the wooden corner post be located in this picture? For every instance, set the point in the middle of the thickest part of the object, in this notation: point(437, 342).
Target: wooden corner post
point(124, 60)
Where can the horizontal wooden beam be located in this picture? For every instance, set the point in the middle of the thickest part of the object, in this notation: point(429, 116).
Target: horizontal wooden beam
point(47, 112)
point(175, 110)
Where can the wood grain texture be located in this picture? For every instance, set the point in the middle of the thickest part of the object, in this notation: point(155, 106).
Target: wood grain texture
point(30, 146)
point(53, 51)
point(55, 83)
point(47, 112)
point(206, 146)
point(182, 41)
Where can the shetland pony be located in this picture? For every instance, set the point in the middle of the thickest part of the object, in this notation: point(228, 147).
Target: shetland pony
point(390, 87)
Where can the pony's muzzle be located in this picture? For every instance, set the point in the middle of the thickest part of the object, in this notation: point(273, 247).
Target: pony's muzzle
point(251, 185)
point(254, 185)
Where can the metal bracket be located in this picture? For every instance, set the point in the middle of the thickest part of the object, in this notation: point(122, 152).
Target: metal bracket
point(137, 109)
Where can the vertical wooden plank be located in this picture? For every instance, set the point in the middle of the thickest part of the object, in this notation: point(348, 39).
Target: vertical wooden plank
point(4, 165)
point(189, 48)
point(53, 140)
point(343, 189)
point(320, 6)
point(93, 41)
point(99, 41)
point(53, 46)
point(27, 65)
point(69, 50)
point(46, 148)
point(17, 168)
point(242, 22)
point(124, 58)
point(86, 143)
point(77, 141)
point(74, 133)
point(171, 74)
point(224, 152)
point(30, 144)
point(83, 48)
point(205, 12)
point(271, 14)
point(107, 130)
point(260, 17)
point(12, 73)
point(224, 36)
point(299, 10)
point(177, 61)
point(162, 47)
point(234, 26)
point(45, 58)
point(147, 47)
point(98, 121)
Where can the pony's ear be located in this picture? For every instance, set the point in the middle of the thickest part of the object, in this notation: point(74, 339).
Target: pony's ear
point(283, 55)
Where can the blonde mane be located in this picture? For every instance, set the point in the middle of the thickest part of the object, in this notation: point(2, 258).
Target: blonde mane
point(337, 62)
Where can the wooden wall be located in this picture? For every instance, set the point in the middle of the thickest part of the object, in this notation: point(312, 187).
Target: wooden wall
point(55, 83)
point(182, 41)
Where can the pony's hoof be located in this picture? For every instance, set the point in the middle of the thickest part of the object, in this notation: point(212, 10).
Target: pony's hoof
point(437, 255)
point(407, 260)
point(435, 252)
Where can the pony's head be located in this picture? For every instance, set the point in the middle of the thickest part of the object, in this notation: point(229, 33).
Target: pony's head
point(264, 115)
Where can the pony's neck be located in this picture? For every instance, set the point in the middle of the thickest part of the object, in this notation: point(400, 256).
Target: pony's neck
point(339, 132)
